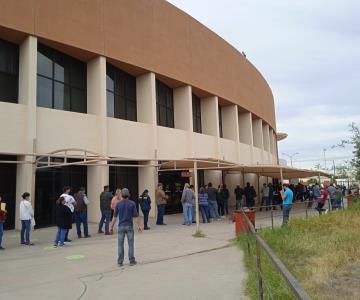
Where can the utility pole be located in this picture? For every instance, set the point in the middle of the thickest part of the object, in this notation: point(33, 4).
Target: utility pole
point(291, 157)
point(325, 156)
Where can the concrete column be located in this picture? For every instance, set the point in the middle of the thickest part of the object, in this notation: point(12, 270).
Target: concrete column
point(25, 174)
point(257, 133)
point(266, 137)
point(183, 114)
point(97, 176)
point(230, 122)
point(245, 128)
point(272, 144)
point(210, 116)
point(148, 179)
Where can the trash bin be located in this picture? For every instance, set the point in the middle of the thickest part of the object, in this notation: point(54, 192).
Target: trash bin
point(240, 223)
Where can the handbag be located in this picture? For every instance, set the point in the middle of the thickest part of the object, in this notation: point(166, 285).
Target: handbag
point(33, 223)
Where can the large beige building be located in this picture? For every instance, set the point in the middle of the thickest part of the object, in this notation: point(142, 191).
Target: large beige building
point(136, 81)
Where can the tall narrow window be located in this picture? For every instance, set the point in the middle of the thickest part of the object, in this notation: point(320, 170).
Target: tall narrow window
point(164, 105)
point(121, 94)
point(196, 106)
point(220, 123)
point(61, 81)
point(9, 71)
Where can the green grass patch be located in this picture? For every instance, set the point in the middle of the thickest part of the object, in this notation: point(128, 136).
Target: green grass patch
point(317, 251)
point(199, 234)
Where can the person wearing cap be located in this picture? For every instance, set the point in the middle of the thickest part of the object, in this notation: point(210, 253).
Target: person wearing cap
point(161, 200)
point(145, 205)
point(287, 200)
point(126, 211)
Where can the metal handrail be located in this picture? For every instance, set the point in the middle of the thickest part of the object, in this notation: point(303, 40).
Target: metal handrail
point(292, 282)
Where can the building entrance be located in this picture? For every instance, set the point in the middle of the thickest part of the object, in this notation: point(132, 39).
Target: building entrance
point(173, 187)
point(48, 188)
point(8, 189)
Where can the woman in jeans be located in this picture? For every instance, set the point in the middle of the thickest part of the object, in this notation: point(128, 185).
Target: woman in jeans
point(204, 205)
point(63, 219)
point(26, 215)
point(2, 221)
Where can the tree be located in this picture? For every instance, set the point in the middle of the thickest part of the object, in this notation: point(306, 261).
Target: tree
point(354, 140)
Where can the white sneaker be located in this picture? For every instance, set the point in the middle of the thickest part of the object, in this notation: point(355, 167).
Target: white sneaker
point(326, 211)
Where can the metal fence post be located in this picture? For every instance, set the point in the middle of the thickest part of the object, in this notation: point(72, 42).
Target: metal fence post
point(258, 264)
point(272, 218)
point(306, 209)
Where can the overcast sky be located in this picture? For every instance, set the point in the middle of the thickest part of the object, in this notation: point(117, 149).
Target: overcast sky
point(309, 52)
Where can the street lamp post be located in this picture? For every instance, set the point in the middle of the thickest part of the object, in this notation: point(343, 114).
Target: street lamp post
point(291, 157)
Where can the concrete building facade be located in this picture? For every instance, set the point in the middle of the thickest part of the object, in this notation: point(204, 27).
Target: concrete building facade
point(137, 81)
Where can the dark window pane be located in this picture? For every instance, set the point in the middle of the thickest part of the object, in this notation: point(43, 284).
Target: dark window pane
point(78, 74)
point(9, 58)
point(131, 111)
point(170, 118)
point(119, 83)
point(62, 65)
point(61, 96)
point(110, 104)
point(44, 64)
point(162, 115)
point(130, 87)
point(110, 77)
point(78, 100)
point(120, 107)
point(44, 92)
point(8, 88)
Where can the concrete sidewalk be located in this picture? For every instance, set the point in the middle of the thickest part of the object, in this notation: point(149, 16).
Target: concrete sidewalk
point(172, 265)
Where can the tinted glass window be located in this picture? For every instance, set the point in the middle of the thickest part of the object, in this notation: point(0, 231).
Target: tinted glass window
point(61, 81)
point(164, 105)
point(9, 71)
point(220, 123)
point(121, 94)
point(196, 106)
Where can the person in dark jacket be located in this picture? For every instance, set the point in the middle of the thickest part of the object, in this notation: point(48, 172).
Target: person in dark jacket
point(63, 220)
point(220, 200)
point(250, 195)
point(239, 192)
point(81, 212)
point(145, 205)
point(105, 207)
point(226, 196)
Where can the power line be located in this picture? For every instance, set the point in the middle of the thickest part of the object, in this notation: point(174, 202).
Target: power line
point(327, 158)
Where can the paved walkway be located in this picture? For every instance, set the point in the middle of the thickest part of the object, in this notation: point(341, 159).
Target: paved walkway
point(172, 265)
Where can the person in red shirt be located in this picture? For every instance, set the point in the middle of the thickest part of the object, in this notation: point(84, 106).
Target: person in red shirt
point(324, 196)
point(2, 221)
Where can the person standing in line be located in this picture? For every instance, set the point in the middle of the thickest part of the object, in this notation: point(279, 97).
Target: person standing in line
point(213, 207)
point(316, 193)
point(114, 201)
point(265, 197)
point(332, 194)
point(287, 200)
point(188, 200)
point(81, 212)
point(125, 210)
point(271, 197)
point(193, 209)
point(338, 202)
point(204, 205)
point(321, 202)
point(248, 194)
point(105, 208)
point(226, 196)
point(239, 192)
point(63, 221)
point(161, 200)
point(220, 200)
point(26, 215)
point(70, 202)
point(145, 205)
point(2, 221)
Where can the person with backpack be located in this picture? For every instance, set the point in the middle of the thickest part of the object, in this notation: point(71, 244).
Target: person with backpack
point(63, 221)
point(2, 221)
point(81, 212)
point(145, 205)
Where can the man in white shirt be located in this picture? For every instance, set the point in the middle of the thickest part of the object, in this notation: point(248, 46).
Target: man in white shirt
point(69, 202)
point(26, 214)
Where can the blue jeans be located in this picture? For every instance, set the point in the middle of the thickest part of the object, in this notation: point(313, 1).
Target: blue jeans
point(213, 207)
point(105, 218)
point(129, 232)
point(286, 213)
point(60, 236)
point(238, 204)
point(160, 214)
point(146, 218)
point(25, 231)
point(81, 217)
point(205, 213)
point(188, 213)
point(1, 232)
